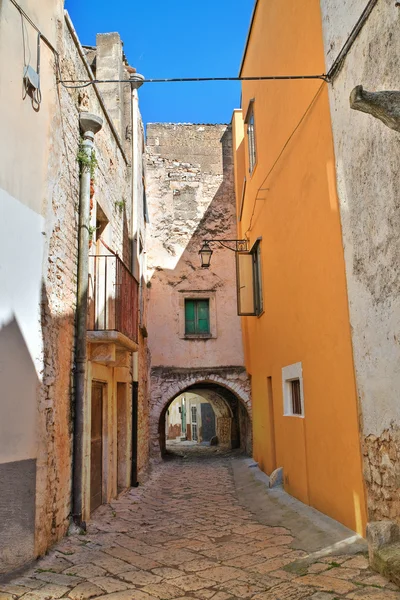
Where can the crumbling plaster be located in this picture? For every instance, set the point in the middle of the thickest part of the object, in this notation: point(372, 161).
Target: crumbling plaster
point(190, 201)
point(189, 182)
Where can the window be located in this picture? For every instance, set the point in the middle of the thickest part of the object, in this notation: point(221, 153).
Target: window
point(292, 380)
point(197, 317)
point(249, 281)
point(197, 314)
point(295, 396)
point(251, 140)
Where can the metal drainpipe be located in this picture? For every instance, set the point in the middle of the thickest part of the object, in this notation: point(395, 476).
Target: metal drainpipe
point(89, 124)
point(136, 82)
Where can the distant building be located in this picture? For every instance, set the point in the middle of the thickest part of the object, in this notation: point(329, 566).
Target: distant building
point(195, 335)
point(190, 417)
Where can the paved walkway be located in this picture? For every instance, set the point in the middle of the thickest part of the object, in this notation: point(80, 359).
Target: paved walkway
point(185, 534)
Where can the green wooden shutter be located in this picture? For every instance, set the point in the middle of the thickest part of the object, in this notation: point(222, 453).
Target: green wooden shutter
point(190, 316)
point(203, 316)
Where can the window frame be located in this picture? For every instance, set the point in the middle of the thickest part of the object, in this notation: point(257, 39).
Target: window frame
point(212, 313)
point(251, 137)
point(196, 320)
point(257, 278)
point(256, 282)
point(290, 374)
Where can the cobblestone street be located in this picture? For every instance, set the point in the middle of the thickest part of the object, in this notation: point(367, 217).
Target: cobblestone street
point(186, 534)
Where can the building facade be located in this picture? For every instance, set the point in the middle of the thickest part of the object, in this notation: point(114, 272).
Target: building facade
point(190, 417)
point(73, 410)
point(298, 345)
point(367, 165)
point(194, 332)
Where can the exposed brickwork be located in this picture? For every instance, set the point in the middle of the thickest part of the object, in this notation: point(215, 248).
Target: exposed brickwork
point(382, 475)
point(112, 185)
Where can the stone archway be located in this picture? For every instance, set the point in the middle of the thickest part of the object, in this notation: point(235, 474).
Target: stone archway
point(227, 390)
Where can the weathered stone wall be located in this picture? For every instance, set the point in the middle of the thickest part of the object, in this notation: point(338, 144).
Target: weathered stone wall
point(55, 199)
point(191, 197)
point(368, 164)
point(143, 448)
point(56, 400)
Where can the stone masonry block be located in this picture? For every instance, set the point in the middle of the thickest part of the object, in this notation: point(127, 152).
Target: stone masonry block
point(382, 533)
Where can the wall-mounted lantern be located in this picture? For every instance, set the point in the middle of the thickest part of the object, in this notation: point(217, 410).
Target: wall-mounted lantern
point(248, 273)
point(206, 251)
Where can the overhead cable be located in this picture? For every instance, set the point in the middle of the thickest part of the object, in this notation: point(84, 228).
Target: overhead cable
point(86, 82)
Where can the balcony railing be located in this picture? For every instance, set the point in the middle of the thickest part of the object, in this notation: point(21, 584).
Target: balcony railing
point(112, 297)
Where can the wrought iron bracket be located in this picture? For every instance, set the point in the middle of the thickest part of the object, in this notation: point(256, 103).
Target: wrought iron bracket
point(240, 245)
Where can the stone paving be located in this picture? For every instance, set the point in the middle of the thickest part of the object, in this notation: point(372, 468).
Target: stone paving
point(183, 534)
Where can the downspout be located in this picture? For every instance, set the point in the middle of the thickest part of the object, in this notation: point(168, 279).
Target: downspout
point(89, 124)
point(136, 82)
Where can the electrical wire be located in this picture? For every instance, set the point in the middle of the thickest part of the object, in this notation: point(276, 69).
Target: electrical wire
point(86, 82)
point(280, 154)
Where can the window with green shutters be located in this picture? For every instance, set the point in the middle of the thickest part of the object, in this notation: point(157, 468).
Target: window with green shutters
point(197, 317)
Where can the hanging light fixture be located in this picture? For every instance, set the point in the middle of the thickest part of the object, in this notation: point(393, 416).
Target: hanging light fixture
point(206, 252)
point(205, 255)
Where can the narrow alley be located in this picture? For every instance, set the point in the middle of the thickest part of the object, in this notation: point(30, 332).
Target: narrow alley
point(198, 529)
point(199, 300)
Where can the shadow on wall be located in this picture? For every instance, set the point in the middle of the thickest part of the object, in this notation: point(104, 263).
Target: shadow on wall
point(35, 438)
point(18, 381)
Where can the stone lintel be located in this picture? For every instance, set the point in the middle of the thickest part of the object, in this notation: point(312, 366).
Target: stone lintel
point(115, 337)
point(103, 353)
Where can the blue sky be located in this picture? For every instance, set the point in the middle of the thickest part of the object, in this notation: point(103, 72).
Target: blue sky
point(175, 38)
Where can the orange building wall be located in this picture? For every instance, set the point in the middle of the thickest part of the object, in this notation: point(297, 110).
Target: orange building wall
point(305, 319)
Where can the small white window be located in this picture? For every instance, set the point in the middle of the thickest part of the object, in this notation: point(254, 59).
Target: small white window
point(293, 396)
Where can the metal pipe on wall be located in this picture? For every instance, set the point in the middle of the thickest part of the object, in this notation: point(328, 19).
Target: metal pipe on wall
point(89, 124)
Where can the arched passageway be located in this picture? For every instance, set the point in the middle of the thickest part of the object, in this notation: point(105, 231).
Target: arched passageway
point(232, 417)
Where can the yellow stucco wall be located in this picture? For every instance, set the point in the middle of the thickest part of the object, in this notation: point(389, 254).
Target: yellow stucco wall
point(305, 319)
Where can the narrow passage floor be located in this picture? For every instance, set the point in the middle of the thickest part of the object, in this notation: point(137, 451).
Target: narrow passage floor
point(195, 530)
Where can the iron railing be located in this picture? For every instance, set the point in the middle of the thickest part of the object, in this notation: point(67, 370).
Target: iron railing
point(113, 297)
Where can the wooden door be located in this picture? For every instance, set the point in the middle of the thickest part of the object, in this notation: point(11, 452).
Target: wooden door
point(96, 450)
point(135, 397)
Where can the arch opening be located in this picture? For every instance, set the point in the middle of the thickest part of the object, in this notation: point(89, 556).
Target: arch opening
point(184, 416)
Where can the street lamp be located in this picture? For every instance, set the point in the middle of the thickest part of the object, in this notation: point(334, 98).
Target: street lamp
point(205, 255)
point(206, 252)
